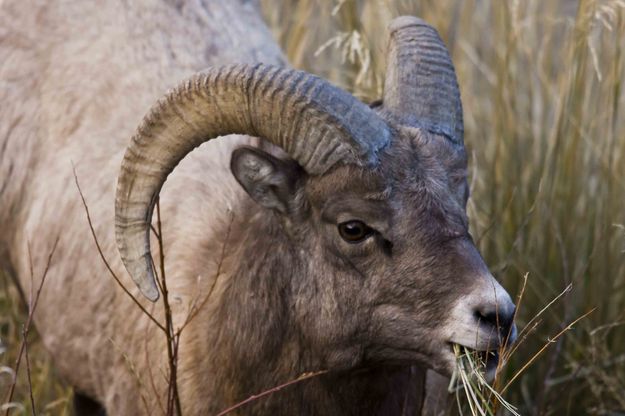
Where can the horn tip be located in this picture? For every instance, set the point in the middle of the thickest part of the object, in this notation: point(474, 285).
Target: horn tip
point(148, 288)
point(142, 275)
point(403, 22)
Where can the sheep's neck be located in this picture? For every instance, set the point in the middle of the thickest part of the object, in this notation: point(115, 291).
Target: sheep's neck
point(262, 350)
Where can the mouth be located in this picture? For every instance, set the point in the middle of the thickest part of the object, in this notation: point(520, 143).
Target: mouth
point(484, 361)
point(474, 372)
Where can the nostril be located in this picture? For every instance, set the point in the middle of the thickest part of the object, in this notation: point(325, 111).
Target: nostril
point(488, 318)
point(503, 320)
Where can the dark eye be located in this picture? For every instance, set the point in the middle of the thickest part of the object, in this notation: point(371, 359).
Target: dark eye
point(354, 231)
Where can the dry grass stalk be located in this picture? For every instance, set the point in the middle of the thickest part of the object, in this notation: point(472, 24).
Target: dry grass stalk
point(305, 376)
point(23, 349)
point(173, 337)
point(479, 394)
point(172, 334)
point(482, 397)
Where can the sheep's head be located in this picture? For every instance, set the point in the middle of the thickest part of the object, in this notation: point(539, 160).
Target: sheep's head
point(375, 199)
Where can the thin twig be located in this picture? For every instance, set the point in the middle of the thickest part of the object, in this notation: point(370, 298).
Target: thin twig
point(173, 399)
point(549, 342)
point(30, 381)
point(502, 350)
point(194, 310)
point(150, 373)
point(31, 311)
point(525, 328)
point(255, 397)
point(106, 263)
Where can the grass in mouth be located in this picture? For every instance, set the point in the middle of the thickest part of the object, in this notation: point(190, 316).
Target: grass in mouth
point(469, 377)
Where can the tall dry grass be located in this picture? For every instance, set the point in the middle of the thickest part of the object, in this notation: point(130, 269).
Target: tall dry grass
point(544, 108)
point(541, 82)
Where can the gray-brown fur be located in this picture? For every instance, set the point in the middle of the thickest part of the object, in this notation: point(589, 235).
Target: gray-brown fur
point(291, 296)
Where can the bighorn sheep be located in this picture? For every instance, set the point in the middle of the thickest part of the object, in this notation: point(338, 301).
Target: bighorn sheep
point(350, 253)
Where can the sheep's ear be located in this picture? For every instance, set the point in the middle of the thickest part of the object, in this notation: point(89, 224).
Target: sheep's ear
point(271, 182)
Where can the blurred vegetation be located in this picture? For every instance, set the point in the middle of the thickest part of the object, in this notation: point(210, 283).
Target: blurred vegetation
point(50, 395)
point(544, 110)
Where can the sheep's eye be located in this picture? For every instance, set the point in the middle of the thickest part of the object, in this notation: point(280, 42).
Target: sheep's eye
point(354, 231)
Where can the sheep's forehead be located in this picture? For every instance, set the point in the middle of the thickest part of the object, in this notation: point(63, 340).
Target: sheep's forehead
point(411, 183)
point(408, 171)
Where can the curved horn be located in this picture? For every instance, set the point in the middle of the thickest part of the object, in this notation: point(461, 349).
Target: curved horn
point(316, 123)
point(420, 88)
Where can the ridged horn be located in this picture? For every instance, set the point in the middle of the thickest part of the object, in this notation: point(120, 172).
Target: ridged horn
point(421, 89)
point(316, 123)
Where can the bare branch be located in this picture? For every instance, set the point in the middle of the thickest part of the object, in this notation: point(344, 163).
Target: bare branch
point(30, 381)
point(194, 310)
point(255, 397)
point(106, 263)
point(31, 311)
point(549, 342)
point(173, 399)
